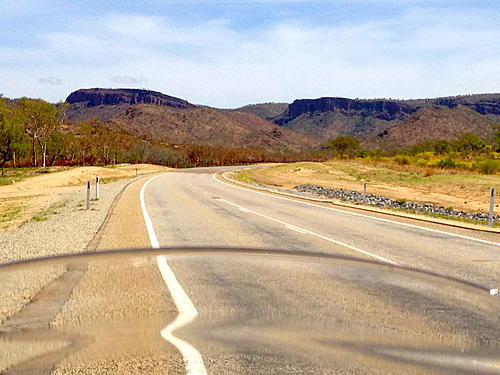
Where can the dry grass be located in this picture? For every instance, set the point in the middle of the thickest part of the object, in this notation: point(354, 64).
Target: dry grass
point(11, 211)
point(32, 193)
point(457, 189)
point(15, 175)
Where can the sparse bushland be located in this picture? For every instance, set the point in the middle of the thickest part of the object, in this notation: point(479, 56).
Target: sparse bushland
point(35, 133)
point(470, 153)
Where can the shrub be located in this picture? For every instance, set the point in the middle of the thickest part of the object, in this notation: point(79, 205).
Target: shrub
point(447, 163)
point(402, 160)
point(429, 172)
point(488, 167)
point(425, 155)
point(363, 154)
point(421, 162)
point(344, 145)
point(471, 142)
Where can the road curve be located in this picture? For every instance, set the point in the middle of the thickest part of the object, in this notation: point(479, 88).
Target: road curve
point(195, 209)
point(231, 312)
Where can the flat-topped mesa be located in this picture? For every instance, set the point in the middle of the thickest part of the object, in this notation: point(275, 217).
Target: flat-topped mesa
point(96, 97)
point(382, 109)
point(489, 105)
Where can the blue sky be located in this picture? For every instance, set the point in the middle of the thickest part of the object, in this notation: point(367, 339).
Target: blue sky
point(228, 53)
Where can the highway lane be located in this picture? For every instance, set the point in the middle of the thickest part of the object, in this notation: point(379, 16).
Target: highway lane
point(193, 209)
point(228, 312)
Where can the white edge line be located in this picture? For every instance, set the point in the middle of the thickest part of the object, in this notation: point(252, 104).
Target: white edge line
point(187, 312)
point(358, 214)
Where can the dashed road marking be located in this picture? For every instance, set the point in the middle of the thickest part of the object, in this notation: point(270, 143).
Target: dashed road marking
point(305, 231)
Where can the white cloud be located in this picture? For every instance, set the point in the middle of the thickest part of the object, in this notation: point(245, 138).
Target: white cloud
point(128, 80)
point(422, 53)
point(50, 81)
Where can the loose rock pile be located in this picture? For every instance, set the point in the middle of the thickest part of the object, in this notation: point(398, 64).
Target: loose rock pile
point(354, 196)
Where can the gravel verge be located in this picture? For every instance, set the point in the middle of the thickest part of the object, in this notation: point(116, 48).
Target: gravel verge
point(356, 197)
point(65, 227)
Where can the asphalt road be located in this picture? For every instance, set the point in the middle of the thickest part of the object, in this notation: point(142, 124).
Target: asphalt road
point(233, 312)
point(195, 209)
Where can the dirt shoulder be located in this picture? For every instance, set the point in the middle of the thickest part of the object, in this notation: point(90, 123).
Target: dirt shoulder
point(42, 194)
point(124, 227)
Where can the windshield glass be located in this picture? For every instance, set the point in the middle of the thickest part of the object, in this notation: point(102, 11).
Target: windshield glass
point(239, 311)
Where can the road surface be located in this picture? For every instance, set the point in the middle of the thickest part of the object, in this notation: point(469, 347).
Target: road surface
point(223, 314)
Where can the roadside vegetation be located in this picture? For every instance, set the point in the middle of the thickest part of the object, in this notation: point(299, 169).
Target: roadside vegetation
point(11, 209)
point(35, 133)
point(53, 209)
point(470, 153)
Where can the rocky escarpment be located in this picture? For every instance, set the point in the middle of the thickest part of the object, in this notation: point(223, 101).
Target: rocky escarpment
point(486, 105)
point(389, 110)
point(380, 109)
point(96, 97)
point(166, 119)
point(372, 120)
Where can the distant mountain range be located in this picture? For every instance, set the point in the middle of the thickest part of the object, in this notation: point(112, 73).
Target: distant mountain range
point(388, 123)
point(175, 121)
point(303, 124)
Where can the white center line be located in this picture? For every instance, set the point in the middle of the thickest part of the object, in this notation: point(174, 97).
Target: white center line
point(193, 360)
point(305, 231)
point(295, 229)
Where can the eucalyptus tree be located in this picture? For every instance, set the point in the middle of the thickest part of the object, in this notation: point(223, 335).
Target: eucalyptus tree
point(11, 133)
point(40, 122)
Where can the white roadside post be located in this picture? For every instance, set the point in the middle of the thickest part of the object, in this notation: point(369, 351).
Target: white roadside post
point(492, 207)
point(97, 186)
point(364, 192)
point(88, 195)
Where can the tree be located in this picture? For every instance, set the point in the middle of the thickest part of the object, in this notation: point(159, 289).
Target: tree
point(496, 141)
point(344, 145)
point(470, 142)
point(57, 146)
point(11, 133)
point(40, 121)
